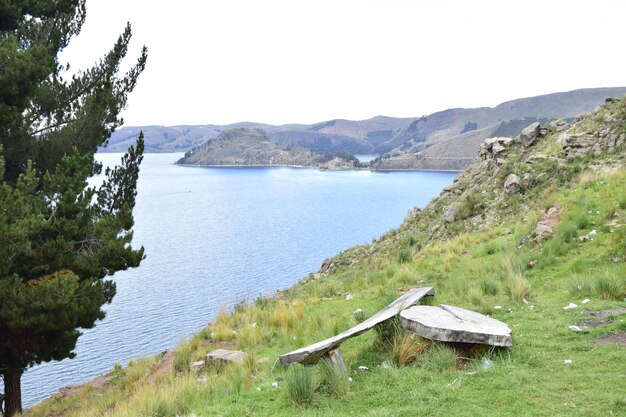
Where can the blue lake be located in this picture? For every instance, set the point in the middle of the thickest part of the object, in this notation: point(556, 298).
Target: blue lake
point(215, 236)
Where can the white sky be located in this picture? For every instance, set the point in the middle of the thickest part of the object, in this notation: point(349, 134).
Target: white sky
point(292, 61)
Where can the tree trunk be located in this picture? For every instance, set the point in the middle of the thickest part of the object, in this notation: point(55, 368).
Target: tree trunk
point(12, 392)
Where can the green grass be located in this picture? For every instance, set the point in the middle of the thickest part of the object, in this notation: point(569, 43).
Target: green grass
point(472, 266)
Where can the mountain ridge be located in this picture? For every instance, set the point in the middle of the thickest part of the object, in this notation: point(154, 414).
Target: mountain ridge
point(388, 136)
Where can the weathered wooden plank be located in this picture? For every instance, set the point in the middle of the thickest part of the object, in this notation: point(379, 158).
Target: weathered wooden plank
point(313, 353)
point(455, 324)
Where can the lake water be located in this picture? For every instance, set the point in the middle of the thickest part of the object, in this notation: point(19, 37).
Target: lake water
point(215, 236)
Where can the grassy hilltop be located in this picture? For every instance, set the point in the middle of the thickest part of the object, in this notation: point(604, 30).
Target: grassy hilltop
point(571, 182)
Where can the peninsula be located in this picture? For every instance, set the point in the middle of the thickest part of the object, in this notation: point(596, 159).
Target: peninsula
point(251, 147)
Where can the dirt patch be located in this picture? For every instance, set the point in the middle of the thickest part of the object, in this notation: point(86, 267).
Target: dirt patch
point(165, 366)
point(619, 338)
point(608, 313)
point(594, 323)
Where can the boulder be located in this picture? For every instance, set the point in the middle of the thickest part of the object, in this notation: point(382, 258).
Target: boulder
point(196, 366)
point(450, 213)
point(529, 135)
point(224, 356)
point(512, 184)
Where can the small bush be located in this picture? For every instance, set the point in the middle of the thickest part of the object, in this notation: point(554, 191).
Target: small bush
point(387, 330)
point(580, 287)
point(332, 379)
point(517, 288)
point(406, 347)
point(489, 287)
point(360, 316)
point(609, 288)
point(404, 256)
point(300, 386)
point(490, 248)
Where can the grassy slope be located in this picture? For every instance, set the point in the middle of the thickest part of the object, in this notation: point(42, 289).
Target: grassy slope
point(472, 262)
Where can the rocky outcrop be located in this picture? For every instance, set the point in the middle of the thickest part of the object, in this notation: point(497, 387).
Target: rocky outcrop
point(495, 149)
point(412, 214)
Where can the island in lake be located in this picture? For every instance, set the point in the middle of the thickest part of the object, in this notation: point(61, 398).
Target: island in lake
point(252, 147)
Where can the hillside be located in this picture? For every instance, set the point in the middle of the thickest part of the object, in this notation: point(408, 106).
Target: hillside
point(251, 147)
point(532, 234)
point(445, 140)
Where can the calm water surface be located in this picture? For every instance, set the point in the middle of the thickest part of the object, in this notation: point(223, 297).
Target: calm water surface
point(215, 236)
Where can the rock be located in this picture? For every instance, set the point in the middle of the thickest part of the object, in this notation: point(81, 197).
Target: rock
point(223, 356)
point(547, 225)
point(497, 149)
point(450, 213)
point(557, 125)
point(535, 157)
point(529, 135)
point(196, 366)
point(454, 324)
point(511, 184)
point(412, 214)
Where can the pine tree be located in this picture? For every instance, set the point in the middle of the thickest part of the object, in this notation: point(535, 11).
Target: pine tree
point(59, 237)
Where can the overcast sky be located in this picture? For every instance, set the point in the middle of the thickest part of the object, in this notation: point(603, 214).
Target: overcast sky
point(297, 61)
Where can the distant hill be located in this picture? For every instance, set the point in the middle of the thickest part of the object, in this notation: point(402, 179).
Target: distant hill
point(252, 147)
point(447, 139)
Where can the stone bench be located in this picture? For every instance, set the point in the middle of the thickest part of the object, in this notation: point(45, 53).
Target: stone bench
point(330, 347)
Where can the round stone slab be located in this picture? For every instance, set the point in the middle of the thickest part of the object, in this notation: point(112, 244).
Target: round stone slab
point(455, 324)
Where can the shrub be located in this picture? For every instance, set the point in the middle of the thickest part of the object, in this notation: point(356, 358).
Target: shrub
point(517, 288)
point(489, 287)
point(387, 330)
point(580, 287)
point(406, 347)
point(609, 287)
point(300, 387)
point(404, 256)
point(360, 316)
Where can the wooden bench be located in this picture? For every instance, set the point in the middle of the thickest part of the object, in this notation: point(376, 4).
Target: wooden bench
point(330, 347)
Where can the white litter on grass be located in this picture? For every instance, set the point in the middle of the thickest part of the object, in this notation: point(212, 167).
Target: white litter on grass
point(497, 308)
point(575, 328)
point(593, 233)
point(349, 379)
point(570, 306)
point(258, 388)
point(567, 361)
point(275, 384)
point(525, 301)
point(585, 301)
point(364, 368)
point(349, 297)
point(385, 365)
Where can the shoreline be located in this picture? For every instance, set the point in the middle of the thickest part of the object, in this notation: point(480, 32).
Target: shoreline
point(320, 169)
